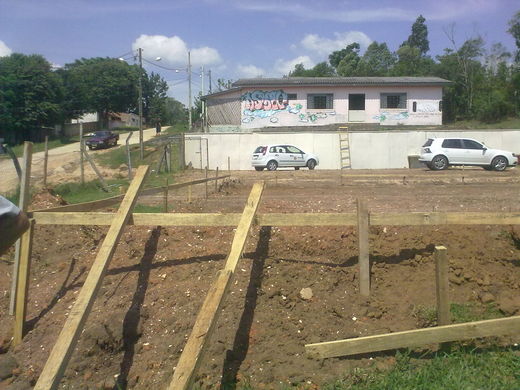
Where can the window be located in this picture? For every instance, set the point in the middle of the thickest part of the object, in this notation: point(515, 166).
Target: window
point(452, 144)
point(292, 96)
point(470, 144)
point(414, 105)
point(356, 101)
point(440, 105)
point(428, 142)
point(319, 101)
point(293, 149)
point(393, 100)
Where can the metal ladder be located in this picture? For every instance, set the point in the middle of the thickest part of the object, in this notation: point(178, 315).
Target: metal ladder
point(344, 148)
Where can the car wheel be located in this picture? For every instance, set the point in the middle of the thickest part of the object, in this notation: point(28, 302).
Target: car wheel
point(439, 163)
point(272, 165)
point(499, 163)
point(311, 164)
point(259, 168)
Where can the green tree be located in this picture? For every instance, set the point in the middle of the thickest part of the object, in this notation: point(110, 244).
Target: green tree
point(223, 84)
point(419, 36)
point(377, 60)
point(30, 96)
point(319, 70)
point(337, 56)
point(174, 112)
point(410, 62)
point(514, 30)
point(100, 85)
point(154, 96)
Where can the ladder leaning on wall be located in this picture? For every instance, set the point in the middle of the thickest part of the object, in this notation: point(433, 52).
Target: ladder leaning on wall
point(344, 148)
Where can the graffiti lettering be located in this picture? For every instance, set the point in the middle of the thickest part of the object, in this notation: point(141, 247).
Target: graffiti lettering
point(265, 100)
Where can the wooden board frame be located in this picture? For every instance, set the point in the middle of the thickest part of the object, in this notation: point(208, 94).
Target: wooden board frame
point(414, 338)
point(208, 315)
point(62, 351)
point(46, 217)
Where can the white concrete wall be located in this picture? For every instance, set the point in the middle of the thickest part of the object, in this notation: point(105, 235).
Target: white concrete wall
point(368, 150)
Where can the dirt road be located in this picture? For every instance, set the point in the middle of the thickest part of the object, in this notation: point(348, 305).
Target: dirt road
point(63, 164)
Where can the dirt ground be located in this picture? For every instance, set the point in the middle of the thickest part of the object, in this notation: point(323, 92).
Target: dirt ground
point(159, 277)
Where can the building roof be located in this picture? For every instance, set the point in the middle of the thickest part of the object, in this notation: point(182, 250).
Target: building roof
point(341, 81)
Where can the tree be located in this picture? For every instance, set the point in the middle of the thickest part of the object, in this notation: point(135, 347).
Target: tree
point(223, 84)
point(100, 85)
point(419, 36)
point(319, 70)
point(514, 30)
point(174, 112)
point(410, 62)
point(154, 96)
point(30, 96)
point(377, 60)
point(336, 57)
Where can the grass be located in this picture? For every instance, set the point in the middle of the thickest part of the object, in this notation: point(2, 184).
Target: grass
point(78, 193)
point(426, 316)
point(461, 369)
point(510, 123)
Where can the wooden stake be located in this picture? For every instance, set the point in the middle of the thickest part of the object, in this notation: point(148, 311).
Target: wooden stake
point(68, 338)
point(229, 164)
point(45, 160)
point(23, 283)
point(216, 180)
point(23, 204)
point(208, 315)
point(206, 183)
point(189, 194)
point(364, 259)
point(415, 338)
point(166, 197)
point(442, 286)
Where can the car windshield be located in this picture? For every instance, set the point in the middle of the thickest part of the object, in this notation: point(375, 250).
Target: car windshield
point(101, 133)
point(260, 149)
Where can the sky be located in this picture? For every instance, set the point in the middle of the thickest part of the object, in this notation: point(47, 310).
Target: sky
point(234, 38)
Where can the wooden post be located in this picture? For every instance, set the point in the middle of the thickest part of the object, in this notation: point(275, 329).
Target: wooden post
point(89, 159)
point(216, 180)
point(189, 194)
point(208, 315)
point(81, 150)
point(166, 197)
point(68, 338)
point(45, 160)
point(229, 164)
point(364, 260)
point(23, 204)
point(442, 286)
point(206, 183)
point(23, 284)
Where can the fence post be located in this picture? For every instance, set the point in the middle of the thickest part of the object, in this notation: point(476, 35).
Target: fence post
point(23, 203)
point(229, 164)
point(206, 182)
point(216, 180)
point(166, 197)
point(364, 259)
point(442, 286)
point(45, 160)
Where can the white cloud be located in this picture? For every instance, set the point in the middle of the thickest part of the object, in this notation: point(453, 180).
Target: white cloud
point(283, 67)
point(249, 71)
point(174, 51)
point(324, 46)
point(4, 50)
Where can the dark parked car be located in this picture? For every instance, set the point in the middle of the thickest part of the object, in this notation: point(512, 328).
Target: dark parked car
point(102, 139)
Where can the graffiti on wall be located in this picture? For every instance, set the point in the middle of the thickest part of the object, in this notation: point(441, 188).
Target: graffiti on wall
point(267, 104)
point(390, 116)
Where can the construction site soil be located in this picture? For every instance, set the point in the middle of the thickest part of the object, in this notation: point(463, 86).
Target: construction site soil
point(159, 277)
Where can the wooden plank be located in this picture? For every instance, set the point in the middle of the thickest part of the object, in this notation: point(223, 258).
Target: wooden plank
point(62, 350)
point(25, 184)
point(414, 338)
point(442, 286)
point(97, 204)
point(437, 218)
point(364, 248)
point(202, 330)
point(23, 284)
point(208, 315)
point(307, 219)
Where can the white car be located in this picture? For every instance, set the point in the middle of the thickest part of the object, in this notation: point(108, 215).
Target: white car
point(274, 156)
point(440, 153)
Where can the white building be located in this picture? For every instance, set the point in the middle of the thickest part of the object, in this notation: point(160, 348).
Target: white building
point(319, 101)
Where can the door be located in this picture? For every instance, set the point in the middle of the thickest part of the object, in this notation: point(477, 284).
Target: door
point(356, 107)
point(453, 149)
point(475, 152)
point(296, 156)
point(282, 156)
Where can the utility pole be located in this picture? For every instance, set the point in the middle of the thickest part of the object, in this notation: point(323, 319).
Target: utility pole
point(209, 77)
point(141, 146)
point(189, 91)
point(202, 94)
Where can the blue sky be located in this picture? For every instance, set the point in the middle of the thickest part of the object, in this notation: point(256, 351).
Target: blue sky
point(236, 38)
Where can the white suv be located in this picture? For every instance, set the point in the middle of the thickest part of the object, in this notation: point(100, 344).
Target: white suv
point(274, 156)
point(440, 153)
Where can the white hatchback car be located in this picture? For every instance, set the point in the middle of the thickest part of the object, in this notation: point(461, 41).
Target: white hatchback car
point(440, 153)
point(274, 156)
